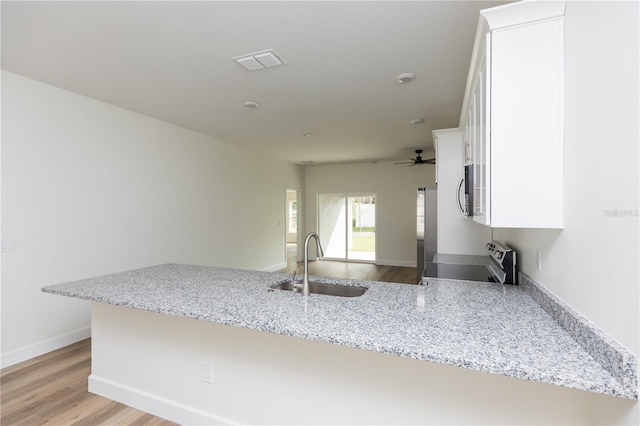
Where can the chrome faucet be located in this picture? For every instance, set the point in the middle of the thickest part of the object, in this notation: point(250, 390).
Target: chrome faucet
point(305, 280)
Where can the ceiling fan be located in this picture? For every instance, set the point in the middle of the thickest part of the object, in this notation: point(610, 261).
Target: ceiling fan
point(418, 160)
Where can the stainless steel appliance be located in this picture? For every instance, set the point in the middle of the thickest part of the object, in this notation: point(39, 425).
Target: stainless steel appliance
point(426, 227)
point(503, 263)
point(501, 267)
point(467, 208)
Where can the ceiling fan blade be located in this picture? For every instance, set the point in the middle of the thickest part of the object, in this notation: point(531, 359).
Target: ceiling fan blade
point(404, 162)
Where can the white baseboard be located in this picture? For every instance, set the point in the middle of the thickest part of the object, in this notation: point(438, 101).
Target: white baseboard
point(154, 404)
point(276, 267)
point(31, 351)
point(403, 263)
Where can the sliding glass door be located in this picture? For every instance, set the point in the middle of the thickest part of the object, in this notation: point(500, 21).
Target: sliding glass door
point(347, 226)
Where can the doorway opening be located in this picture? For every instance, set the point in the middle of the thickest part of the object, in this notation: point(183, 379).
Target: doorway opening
point(291, 226)
point(347, 226)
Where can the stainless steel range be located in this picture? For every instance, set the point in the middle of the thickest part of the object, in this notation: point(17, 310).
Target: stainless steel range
point(501, 268)
point(503, 263)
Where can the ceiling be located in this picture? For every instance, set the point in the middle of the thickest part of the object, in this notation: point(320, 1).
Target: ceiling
point(172, 60)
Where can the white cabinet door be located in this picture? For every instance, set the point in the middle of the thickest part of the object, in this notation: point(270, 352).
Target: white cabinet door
point(526, 125)
point(513, 116)
point(481, 148)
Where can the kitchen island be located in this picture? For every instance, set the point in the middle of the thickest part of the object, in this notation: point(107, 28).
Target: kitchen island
point(173, 350)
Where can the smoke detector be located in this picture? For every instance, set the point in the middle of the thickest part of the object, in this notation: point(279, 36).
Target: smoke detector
point(259, 60)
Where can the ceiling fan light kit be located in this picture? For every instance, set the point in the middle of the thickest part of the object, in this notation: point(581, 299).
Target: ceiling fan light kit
point(418, 160)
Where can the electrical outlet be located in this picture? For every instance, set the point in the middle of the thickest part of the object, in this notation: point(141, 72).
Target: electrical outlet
point(8, 245)
point(539, 260)
point(207, 372)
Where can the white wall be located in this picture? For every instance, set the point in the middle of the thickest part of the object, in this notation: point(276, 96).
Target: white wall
point(593, 263)
point(90, 189)
point(601, 174)
point(265, 378)
point(395, 187)
point(456, 235)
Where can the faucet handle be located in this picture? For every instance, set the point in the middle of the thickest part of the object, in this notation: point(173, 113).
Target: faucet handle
point(293, 278)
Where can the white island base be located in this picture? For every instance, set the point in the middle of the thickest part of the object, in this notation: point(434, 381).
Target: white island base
point(160, 364)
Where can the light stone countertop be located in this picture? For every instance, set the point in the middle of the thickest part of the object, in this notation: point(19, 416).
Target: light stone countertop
point(479, 326)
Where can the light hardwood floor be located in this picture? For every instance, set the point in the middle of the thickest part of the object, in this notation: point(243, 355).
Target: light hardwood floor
point(52, 389)
point(358, 271)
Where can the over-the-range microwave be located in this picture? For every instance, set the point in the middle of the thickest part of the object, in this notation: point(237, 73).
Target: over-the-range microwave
point(465, 199)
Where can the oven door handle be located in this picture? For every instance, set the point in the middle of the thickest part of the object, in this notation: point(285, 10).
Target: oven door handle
point(459, 201)
point(498, 274)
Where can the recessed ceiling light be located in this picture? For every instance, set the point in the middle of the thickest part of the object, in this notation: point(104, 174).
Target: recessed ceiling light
point(417, 121)
point(251, 104)
point(307, 134)
point(405, 77)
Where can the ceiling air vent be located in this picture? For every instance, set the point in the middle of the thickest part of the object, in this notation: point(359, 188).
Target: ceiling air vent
point(259, 60)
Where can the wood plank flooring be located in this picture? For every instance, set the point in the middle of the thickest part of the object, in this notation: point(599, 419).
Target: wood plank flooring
point(358, 271)
point(52, 390)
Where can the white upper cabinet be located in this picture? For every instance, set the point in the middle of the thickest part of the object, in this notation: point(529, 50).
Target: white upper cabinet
point(512, 116)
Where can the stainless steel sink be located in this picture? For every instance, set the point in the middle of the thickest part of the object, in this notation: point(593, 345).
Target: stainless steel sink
point(324, 288)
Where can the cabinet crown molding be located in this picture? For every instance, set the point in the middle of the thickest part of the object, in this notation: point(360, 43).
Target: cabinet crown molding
point(522, 13)
point(508, 15)
point(443, 133)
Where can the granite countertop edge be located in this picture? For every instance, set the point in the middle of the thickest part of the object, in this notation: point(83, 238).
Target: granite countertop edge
point(610, 387)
